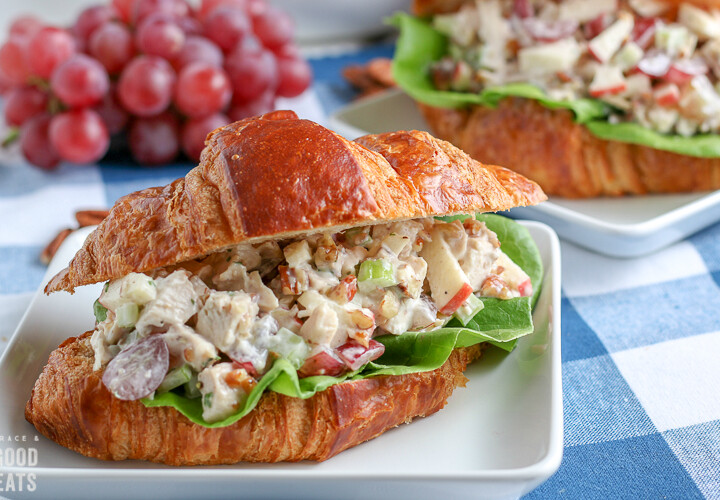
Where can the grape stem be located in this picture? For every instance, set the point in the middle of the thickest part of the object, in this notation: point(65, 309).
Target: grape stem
point(12, 136)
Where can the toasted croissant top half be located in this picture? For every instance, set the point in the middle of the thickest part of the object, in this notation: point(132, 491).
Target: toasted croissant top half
point(276, 176)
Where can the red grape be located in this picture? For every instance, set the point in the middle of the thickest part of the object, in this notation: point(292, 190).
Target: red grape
point(23, 103)
point(91, 19)
point(190, 26)
point(25, 26)
point(79, 136)
point(112, 114)
point(35, 142)
point(256, 7)
point(263, 104)
point(274, 27)
point(195, 131)
point(226, 26)
point(202, 89)
point(146, 85)
point(173, 8)
point(295, 76)
point(80, 81)
point(12, 61)
point(124, 8)
point(154, 140)
point(159, 35)
point(112, 45)
point(48, 49)
point(208, 6)
point(198, 48)
point(251, 73)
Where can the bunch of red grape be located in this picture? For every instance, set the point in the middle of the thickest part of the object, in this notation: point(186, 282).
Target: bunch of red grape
point(159, 71)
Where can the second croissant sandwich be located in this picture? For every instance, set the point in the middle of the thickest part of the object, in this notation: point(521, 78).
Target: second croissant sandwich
point(292, 296)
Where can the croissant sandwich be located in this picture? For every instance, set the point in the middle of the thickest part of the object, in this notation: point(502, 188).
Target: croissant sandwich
point(586, 97)
point(292, 296)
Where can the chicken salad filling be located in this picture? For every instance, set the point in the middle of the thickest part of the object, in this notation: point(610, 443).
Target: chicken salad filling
point(211, 328)
point(652, 64)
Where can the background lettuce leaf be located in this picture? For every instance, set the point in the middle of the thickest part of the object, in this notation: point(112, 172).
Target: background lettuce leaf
point(419, 45)
point(501, 322)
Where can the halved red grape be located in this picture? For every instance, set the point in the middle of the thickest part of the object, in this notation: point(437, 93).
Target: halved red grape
point(23, 103)
point(226, 26)
point(138, 370)
point(195, 131)
point(295, 76)
point(112, 45)
point(154, 140)
point(190, 26)
point(251, 74)
point(12, 61)
point(198, 48)
point(174, 8)
point(48, 49)
point(35, 142)
point(79, 136)
point(208, 6)
point(146, 85)
point(202, 89)
point(125, 9)
point(159, 35)
point(80, 81)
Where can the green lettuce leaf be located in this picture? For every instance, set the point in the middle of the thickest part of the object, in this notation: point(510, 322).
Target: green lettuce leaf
point(501, 323)
point(419, 45)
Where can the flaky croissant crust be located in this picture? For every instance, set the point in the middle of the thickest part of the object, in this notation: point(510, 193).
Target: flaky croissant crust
point(71, 406)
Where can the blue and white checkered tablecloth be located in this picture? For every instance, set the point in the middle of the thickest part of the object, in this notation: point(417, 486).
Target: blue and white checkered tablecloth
point(640, 337)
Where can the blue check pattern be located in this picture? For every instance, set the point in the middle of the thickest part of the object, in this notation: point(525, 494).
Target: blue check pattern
point(640, 360)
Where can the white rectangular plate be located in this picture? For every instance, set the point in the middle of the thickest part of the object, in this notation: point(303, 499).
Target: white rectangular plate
point(619, 227)
point(499, 437)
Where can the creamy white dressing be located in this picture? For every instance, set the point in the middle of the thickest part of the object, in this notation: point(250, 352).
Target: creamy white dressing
point(220, 315)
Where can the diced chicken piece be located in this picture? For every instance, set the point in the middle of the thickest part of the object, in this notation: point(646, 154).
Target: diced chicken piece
point(271, 255)
point(185, 344)
point(237, 278)
point(135, 287)
point(219, 399)
point(103, 354)
point(549, 58)
point(176, 302)
point(225, 317)
point(702, 23)
point(298, 254)
point(494, 30)
point(413, 314)
point(480, 258)
point(583, 11)
point(321, 327)
point(287, 318)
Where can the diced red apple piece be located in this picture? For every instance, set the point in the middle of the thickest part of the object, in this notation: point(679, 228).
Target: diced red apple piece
point(525, 288)
point(324, 362)
point(457, 300)
point(608, 80)
point(544, 31)
point(654, 64)
point(444, 273)
point(643, 32)
point(344, 291)
point(523, 8)
point(356, 355)
point(604, 46)
point(684, 70)
point(598, 25)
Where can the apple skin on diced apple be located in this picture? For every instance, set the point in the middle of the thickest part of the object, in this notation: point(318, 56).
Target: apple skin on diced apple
point(355, 355)
point(324, 362)
point(444, 273)
point(643, 32)
point(596, 26)
point(523, 9)
point(525, 288)
point(667, 94)
point(608, 80)
point(457, 300)
point(684, 70)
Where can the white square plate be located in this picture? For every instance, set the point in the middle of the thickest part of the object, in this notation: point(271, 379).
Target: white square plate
point(499, 437)
point(620, 227)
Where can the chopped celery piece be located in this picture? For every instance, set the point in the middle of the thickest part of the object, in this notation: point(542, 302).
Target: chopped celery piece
point(285, 344)
point(100, 311)
point(176, 378)
point(377, 272)
point(192, 389)
point(469, 309)
point(127, 314)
